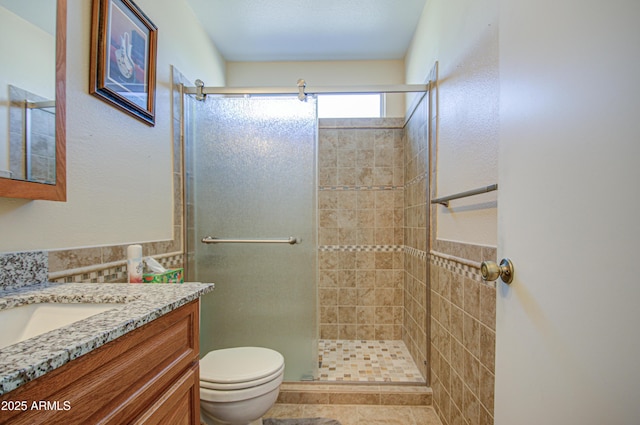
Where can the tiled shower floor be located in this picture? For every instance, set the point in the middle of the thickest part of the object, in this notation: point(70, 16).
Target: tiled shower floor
point(366, 361)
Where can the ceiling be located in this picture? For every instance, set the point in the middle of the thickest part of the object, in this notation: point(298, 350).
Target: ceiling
point(306, 30)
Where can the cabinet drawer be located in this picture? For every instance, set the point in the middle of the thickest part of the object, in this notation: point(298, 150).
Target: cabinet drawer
point(178, 405)
point(117, 381)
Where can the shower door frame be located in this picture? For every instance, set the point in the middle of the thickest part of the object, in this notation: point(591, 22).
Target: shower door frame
point(430, 88)
point(192, 239)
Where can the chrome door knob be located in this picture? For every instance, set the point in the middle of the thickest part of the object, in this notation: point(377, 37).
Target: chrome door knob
point(491, 271)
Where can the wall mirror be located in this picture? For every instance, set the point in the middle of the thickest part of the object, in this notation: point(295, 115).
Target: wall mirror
point(32, 99)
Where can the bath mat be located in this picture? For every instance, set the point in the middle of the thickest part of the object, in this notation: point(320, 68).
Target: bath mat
point(304, 421)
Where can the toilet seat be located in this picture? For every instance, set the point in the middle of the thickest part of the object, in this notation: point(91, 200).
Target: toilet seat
point(240, 368)
point(243, 394)
point(241, 385)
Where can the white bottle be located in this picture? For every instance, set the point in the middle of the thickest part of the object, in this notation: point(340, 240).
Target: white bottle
point(134, 263)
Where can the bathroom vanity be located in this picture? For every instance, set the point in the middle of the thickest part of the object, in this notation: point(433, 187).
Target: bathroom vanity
point(136, 363)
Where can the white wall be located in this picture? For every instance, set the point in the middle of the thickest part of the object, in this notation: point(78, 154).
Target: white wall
point(328, 73)
point(119, 170)
point(34, 72)
point(462, 35)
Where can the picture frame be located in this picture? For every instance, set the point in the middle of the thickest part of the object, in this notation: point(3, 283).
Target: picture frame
point(123, 58)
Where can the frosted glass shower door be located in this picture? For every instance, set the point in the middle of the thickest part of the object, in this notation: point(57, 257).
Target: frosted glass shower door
point(254, 166)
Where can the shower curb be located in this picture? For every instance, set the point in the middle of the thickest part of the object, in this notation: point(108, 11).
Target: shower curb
point(366, 394)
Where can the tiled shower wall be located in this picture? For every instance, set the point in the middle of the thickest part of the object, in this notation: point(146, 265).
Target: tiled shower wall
point(416, 301)
point(360, 202)
point(462, 333)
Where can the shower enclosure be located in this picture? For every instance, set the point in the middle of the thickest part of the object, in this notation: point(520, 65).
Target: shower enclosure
point(316, 232)
point(251, 191)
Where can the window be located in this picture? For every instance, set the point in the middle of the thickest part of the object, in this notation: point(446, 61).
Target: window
point(350, 105)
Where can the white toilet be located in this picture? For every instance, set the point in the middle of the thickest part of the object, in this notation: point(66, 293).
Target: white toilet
point(239, 385)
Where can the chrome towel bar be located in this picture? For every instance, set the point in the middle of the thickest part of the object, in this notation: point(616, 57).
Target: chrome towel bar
point(445, 199)
point(291, 240)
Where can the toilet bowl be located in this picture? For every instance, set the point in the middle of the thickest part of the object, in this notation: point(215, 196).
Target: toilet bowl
point(239, 385)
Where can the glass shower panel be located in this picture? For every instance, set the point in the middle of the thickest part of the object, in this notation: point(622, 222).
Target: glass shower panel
point(254, 166)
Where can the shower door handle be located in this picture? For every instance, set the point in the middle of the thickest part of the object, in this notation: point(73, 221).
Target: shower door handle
point(290, 240)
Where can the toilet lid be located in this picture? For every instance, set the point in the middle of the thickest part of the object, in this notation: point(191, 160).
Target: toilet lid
point(241, 364)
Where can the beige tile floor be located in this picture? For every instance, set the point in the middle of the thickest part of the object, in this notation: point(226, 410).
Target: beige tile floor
point(366, 361)
point(359, 414)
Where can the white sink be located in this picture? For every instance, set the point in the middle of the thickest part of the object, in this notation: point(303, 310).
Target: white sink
point(24, 322)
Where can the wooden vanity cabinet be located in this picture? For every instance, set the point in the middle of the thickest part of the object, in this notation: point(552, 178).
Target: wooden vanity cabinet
point(148, 376)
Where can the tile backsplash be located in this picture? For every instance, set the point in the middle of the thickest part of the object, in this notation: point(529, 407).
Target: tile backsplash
point(81, 265)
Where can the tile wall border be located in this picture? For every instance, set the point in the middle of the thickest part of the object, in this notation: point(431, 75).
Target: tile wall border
point(361, 248)
point(418, 253)
point(110, 272)
point(461, 266)
point(348, 188)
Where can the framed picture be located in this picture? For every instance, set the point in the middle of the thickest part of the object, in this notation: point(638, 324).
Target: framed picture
point(123, 58)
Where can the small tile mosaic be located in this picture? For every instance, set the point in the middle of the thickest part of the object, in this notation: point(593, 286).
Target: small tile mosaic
point(110, 273)
point(460, 266)
point(351, 188)
point(107, 275)
point(415, 252)
point(366, 361)
point(361, 248)
point(416, 180)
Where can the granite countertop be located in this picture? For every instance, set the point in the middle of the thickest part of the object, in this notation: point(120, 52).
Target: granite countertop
point(139, 304)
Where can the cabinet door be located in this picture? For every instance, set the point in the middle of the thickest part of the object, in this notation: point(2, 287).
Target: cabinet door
point(179, 405)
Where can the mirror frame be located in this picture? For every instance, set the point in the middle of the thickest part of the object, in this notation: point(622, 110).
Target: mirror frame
point(53, 192)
